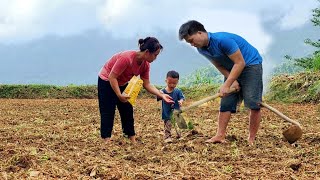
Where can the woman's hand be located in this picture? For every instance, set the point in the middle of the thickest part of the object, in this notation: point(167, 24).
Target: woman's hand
point(123, 97)
point(155, 91)
point(167, 98)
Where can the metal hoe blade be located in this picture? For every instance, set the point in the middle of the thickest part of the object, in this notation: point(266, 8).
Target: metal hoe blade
point(179, 119)
point(177, 113)
point(294, 132)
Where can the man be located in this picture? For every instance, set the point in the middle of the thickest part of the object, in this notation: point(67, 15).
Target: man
point(241, 65)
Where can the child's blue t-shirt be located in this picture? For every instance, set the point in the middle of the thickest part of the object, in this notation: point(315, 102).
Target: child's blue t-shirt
point(222, 44)
point(176, 95)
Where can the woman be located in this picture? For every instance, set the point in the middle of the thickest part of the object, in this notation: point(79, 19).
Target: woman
point(113, 79)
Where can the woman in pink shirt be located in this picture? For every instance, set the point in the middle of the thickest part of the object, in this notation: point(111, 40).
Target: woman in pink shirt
point(113, 79)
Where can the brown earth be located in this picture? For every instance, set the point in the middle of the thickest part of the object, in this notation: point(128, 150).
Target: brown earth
point(60, 139)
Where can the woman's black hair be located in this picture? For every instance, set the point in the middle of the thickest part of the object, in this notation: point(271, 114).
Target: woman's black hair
point(149, 43)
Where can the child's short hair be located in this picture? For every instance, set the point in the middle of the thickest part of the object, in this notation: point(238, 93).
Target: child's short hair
point(173, 74)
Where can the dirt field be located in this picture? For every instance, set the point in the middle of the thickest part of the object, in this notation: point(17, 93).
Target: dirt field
point(60, 139)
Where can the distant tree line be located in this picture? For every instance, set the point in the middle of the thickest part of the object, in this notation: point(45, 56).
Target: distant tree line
point(311, 62)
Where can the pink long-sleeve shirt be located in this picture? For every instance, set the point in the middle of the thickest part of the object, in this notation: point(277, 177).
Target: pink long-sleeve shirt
point(124, 65)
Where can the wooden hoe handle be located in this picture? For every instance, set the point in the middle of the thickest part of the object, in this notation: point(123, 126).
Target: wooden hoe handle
point(202, 101)
point(280, 114)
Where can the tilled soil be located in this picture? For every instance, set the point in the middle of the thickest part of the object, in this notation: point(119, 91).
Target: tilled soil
point(60, 139)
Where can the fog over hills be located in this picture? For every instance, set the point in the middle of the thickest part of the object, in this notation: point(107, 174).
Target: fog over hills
point(67, 42)
point(78, 59)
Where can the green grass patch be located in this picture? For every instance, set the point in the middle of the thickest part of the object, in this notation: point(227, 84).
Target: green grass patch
point(38, 91)
point(193, 92)
point(302, 87)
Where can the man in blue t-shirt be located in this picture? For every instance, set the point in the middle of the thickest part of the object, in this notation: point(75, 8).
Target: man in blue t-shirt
point(171, 89)
point(241, 65)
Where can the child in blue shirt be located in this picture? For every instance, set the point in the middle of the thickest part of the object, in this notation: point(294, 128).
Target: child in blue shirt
point(172, 80)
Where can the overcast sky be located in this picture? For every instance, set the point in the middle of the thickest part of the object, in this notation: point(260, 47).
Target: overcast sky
point(25, 21)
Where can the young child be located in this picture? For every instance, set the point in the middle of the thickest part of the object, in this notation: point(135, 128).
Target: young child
point(172, 80)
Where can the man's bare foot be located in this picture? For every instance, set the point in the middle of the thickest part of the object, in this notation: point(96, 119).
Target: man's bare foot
point(133, 139)
point(107, 140)
point(251, 141)
point(216, 139)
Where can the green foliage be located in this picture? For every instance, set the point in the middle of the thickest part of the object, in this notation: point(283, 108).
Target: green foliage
point(315, 44)
point(316, 16)
point(191, 92)
point(228, 169)
point(302, 87)
point(200, 91)
point(202, 76)
point(288, 66)
point(311, 62)
point(316, 62)
point(190, 125)
point(306, 63)
point(38, 91)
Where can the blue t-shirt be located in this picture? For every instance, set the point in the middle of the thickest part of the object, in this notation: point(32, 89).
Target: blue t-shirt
point(222, 44)
point(176, 95)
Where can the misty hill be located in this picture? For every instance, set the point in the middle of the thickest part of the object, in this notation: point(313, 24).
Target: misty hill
point(78, 59)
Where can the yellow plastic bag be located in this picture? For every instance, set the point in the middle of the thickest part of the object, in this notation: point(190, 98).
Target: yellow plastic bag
point(133, 89)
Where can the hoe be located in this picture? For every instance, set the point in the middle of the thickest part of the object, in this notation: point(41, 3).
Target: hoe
point(292, 134)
